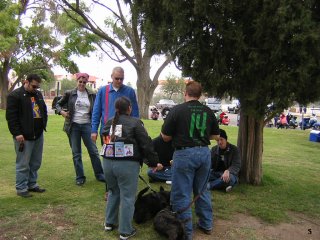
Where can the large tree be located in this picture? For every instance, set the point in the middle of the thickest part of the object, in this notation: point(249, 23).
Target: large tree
point(28, 44)
point(121, 39)
point(259, 51)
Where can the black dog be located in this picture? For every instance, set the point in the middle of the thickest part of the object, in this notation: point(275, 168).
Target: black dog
point(147, 206)
point(167, 223)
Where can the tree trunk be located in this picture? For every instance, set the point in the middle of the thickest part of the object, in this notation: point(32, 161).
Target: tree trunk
point(4, 94)
point(145, 90)
point(250, 143)
point(4, 83)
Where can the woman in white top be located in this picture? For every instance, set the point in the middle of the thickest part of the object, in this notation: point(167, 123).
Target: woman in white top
point(78, 126)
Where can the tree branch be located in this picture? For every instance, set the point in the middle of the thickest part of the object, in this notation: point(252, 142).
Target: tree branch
point(98, 31)
point(155, 79)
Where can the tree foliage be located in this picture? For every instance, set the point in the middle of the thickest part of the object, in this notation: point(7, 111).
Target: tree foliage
point(67, 85)
point(28, 44)
point(173, 86)
point(258, 51)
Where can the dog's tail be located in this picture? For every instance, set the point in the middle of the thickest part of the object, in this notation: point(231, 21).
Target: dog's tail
point(143, 191)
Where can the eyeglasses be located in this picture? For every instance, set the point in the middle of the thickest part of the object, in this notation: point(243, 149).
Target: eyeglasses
point(121, 79)
point(84, 82)
point(35, 86)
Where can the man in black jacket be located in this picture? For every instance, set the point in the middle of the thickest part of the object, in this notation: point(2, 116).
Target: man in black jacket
point(27, 118)
point(165, 153)
point(225, 166)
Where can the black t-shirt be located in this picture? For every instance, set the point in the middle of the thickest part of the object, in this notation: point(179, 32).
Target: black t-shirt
point(221, 167)
point(164, 150)
point(190, 124)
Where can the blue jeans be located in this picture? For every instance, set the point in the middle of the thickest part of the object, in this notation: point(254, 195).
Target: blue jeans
point(190, 173)
point(215, 181)
point(83, 131)
point(28, 163)
point(160, 176)
point(122, 177)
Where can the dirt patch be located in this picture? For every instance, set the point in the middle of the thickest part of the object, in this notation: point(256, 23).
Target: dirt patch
point(243, 227)
point(238, 227)
point(52, 222)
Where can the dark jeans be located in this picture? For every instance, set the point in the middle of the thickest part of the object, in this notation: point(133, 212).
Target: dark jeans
point(215, 181)
point(160, 176)
point(83, 131)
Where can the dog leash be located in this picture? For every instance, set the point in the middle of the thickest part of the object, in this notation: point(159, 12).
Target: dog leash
point(149, 186)
point(193, 201)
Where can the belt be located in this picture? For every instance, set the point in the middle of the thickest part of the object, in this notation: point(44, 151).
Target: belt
point(181, 148)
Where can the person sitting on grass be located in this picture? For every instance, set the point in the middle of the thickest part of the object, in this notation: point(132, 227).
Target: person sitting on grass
point(226, 163)
point(165, 153)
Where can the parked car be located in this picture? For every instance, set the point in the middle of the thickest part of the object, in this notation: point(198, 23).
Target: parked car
point(234, 106)
point(164, 106)
point(163, 103)
point(214, 104)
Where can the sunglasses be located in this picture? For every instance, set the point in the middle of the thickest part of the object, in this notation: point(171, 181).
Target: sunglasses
point(121, 79)
point(35, 86)
point(84, 82)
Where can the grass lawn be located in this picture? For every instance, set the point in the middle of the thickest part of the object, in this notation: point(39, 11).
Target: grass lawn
point(291, 165)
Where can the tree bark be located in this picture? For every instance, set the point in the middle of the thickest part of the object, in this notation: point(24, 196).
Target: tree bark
point(4, 83)
point(145, 90)
point(250, 143)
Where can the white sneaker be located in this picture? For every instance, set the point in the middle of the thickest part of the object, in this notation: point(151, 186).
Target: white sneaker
point(169, 182)
point(228, 189)
point(127, 236)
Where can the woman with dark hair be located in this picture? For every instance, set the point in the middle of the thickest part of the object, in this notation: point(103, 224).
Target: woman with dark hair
point(130, 144)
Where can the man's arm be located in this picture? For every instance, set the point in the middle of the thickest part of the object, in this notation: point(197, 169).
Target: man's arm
point(235, 161)
point(135, 107)
point(214, 137)
point(97, 111)
point(12, 115)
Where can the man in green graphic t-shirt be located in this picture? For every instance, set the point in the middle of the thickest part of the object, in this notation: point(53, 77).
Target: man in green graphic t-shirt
point(190, 126)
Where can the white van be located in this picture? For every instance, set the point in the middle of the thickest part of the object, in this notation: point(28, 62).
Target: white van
point(214, 104)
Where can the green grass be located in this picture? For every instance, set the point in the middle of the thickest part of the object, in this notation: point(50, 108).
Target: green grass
point(291, 182)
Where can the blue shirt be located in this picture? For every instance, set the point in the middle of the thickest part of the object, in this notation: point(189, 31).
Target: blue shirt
point(98, 114)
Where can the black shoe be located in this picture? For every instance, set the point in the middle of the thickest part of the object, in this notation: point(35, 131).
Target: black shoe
point(37, 190)
point(127, 236)
point(205, 231)
point(100, 179)
point(80, 182)
point(25, 194)
point(109, 227)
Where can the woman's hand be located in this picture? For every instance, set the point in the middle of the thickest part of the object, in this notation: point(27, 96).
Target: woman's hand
point(64, 114)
